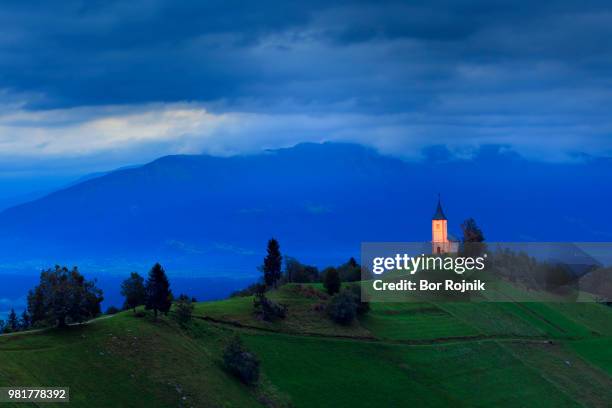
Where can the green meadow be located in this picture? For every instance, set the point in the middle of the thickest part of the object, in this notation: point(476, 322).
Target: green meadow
point(398, 354)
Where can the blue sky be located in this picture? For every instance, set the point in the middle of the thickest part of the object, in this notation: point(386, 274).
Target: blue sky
point(93, 85)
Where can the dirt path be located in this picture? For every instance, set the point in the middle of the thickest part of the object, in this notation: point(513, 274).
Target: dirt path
point(414, 342)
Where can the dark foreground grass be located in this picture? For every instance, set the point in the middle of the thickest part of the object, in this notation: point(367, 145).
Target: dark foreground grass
point(598, 351)
point(350, 373)
point(125, 361)
point(502, 355)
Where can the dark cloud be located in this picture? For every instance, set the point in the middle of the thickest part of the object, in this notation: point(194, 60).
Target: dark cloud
point(79, 52)
point(487, 72)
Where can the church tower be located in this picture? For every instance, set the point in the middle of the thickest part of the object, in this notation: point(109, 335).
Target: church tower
point(440, 243)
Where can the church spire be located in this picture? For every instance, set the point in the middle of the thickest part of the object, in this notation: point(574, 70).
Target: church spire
point(439, 214)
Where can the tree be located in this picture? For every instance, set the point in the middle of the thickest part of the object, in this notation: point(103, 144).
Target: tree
point(36, 307)
point(272, 264)
point(350, 271)
point(331, 280)
point(158, 294)
point(133, 289)
point(25, 321)
point(62, 296)
point(297, 272)
point(12, 322)
point(183, 309)
point(342, 308)
point(473, 239)
point(241, 362)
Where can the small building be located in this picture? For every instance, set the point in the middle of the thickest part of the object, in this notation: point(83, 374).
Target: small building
point(441, 241)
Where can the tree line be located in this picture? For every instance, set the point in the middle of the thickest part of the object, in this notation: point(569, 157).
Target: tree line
point(63, 296)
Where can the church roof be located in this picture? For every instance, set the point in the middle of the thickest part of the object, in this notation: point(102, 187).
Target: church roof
point(439, 214)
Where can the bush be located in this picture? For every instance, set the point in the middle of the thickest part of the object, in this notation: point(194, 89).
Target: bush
point(332, 281)
point(267, 309)
point(112, 310)
point(342, 308)
point(183, 309)
point(308, 292)
point(240, 362)
point(362, 307)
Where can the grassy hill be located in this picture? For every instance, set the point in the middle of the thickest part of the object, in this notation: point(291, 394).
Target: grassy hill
point(495, 354)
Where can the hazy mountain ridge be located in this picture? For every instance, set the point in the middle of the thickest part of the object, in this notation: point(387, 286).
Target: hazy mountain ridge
point(319, 200)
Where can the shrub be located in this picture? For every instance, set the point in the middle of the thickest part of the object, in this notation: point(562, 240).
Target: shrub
point(112, 310)
point(342, 308)
point(267, 309)
point(332, 281)
point(308, 292)
point(240, 362)
point(362, 307)
point(183, 309)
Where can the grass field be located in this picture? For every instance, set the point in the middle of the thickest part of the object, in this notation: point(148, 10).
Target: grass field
point(431, 355)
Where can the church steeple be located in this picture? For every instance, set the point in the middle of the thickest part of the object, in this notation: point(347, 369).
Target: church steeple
point(440, 242)
point(439, 214)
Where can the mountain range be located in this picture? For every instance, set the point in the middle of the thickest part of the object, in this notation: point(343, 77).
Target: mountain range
point(212, 216)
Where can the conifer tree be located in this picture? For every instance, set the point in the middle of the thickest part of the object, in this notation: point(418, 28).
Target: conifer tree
point(24, 321)
point(272, 264)
point(13, 322)
point(158, 294)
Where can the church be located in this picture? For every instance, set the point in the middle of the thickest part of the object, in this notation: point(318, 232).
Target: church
point(441, 241)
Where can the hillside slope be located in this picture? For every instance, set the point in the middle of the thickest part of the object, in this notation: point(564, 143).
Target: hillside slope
point(505, 355)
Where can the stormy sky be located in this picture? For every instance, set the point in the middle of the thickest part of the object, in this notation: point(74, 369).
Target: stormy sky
point(92, 85)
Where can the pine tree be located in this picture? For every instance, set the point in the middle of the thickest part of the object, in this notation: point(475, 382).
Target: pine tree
point(133, 289)
point(272, 263)
point(13, 322)
point(24, 321)
point(158, 294)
